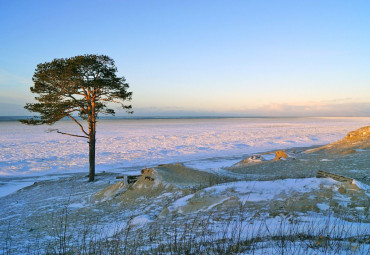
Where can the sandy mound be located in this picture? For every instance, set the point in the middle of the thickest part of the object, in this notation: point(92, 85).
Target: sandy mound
point(275, 197)
point(354, 141)
point(165, 179)
point(256, 159)
point(110, 192)
point(185, 177)
point(148, 185)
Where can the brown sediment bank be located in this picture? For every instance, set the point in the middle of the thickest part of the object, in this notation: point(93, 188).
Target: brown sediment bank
point(354, 141)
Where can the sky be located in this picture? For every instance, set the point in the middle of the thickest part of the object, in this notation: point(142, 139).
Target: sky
point(200, 58)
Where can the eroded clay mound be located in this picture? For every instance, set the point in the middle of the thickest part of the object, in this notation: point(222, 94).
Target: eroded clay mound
point(148, 185)
point(154, 182)
point(256, 159)
point(354, 141)
point(185, 177)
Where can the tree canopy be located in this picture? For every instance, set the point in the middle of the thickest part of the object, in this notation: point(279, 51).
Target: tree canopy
point(71, 85)
point(82, 85)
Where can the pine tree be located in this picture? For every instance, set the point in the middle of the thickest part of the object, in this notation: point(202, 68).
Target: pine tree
point(82, 85)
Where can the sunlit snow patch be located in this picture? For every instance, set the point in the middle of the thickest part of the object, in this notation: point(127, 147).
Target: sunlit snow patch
point(246, 191)
point(140, 220)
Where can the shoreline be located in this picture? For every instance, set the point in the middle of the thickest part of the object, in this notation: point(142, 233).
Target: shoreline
point(25, 181)
point(32, 152)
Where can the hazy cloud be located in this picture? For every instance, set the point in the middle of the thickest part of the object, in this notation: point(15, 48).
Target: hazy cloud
point(7, 109)
point(312, 109)
point(361, 109)
point(9, 79)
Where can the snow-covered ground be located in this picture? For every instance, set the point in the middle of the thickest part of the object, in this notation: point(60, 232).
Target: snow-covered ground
point(32, 150)
point(45, 163)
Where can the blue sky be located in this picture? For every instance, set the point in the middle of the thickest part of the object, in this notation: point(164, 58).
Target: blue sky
point(275, 58)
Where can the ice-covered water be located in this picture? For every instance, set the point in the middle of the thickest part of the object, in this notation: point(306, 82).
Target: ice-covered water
point(125, 143)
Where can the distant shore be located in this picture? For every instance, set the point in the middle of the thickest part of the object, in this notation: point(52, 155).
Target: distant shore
point(128, 117)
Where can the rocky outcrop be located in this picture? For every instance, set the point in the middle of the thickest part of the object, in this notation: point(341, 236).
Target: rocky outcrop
point(280, 155)
point(354, 141)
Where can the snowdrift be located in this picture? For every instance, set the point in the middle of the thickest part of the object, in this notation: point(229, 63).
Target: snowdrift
point(274, 197)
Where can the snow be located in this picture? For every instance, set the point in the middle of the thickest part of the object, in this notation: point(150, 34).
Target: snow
point(270, 249)
point(268, 156)
point(76, 205)
point(140, 220)
point(29, 154)
point(363, 186)
point(127, 145)
point(325, 160)
point(323, 207)
point(180, 203)
point(8, 185)
point(33, 150)
point(7, 188)
point(255, 191)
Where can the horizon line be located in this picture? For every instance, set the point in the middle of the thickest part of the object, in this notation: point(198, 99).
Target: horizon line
point(18, 117)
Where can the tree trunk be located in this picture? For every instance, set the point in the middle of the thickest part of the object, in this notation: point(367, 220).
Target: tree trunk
point(92, 154)
point(92, 132)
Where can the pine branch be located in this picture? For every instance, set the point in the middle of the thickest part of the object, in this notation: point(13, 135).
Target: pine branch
point(78, 103)
point(78, 123)
point(63, 133)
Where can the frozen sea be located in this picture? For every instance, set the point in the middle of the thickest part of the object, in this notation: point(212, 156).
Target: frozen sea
point(127, 145)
